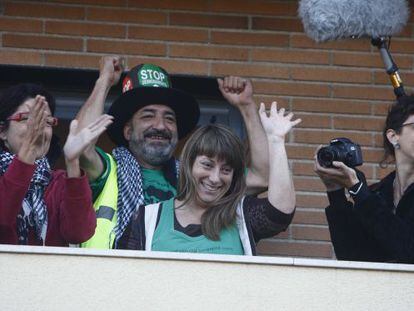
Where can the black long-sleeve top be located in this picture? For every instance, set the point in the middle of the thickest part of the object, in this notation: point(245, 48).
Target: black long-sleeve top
point(373, 229)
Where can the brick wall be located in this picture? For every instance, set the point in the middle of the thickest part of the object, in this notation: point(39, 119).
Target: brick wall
point(338, 89)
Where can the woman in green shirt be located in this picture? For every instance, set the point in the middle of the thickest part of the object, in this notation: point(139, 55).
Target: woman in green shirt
point(211, 213)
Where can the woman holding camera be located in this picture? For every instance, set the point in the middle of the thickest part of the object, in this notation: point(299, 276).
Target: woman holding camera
point(40, 206)
point(211, 213)
point(379, 225)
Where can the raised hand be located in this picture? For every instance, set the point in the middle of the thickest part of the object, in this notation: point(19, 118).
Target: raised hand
point(77, 142)
point(111, 68)
point(236, 90)
point(38, 134)
point(277, 124)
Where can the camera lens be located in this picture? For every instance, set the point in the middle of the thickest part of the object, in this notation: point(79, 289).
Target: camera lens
point(326, 156)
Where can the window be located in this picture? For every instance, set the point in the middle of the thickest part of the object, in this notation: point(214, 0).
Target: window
point(71, 88)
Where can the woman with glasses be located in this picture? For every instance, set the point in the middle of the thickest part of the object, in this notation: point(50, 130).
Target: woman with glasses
point(39, 206)
point(379, 225)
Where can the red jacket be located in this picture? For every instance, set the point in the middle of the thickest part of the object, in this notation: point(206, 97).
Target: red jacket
point(71, 217)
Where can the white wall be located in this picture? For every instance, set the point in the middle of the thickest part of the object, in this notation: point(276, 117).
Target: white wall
point(36, 278)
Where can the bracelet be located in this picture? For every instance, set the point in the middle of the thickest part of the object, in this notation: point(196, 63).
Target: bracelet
point(356, 192)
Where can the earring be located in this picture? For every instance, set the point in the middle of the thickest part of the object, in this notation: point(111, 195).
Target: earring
point(396, 146)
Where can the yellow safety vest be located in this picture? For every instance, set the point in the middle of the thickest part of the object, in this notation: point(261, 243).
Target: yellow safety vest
point(105, 206)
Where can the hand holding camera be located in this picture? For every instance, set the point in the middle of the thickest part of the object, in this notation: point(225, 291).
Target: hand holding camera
point(334, 164)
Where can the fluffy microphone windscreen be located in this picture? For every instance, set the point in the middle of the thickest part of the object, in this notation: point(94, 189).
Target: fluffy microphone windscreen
point(326, 20)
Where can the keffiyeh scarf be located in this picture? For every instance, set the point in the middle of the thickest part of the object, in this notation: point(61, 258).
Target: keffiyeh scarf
point(130, 188)
point(33, 213)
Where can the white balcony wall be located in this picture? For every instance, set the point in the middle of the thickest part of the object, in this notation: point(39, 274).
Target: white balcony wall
point(36, 278)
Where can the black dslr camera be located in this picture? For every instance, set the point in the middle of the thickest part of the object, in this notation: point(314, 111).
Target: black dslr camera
point(342, 150)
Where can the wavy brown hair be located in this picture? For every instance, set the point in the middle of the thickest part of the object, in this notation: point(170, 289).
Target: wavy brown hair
point(214, 141)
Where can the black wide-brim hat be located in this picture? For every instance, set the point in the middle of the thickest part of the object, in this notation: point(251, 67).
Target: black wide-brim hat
point(138, 94)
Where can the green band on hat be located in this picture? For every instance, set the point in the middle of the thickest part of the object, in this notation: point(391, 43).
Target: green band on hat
point(152, 76)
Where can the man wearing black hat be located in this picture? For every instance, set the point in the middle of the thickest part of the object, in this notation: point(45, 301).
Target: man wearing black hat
point(149, 118)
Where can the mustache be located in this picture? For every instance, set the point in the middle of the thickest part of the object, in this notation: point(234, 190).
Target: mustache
point(161, 133)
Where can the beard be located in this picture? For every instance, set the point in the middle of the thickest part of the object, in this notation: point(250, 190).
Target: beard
point(155, 153)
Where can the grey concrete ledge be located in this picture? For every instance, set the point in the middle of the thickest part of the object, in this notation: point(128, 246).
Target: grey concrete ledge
point(258, 260)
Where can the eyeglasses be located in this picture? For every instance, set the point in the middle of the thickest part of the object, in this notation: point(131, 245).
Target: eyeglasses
point(23, 116)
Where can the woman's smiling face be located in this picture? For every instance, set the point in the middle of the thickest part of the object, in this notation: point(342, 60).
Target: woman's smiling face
point(212, 177)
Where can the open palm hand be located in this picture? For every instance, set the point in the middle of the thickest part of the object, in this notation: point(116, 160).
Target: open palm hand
point(277, 124)
point(78, 142)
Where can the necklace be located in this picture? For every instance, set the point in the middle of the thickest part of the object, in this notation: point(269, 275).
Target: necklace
point(397, 193)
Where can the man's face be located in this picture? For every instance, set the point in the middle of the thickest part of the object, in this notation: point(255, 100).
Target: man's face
point(152, 135)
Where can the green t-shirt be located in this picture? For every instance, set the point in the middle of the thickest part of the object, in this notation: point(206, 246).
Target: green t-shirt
point(156, 188)
point(167, 239)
